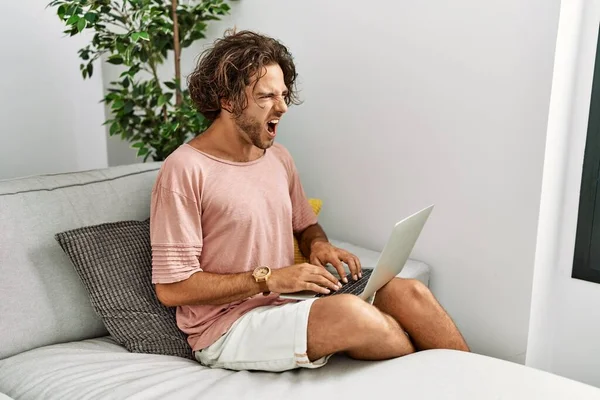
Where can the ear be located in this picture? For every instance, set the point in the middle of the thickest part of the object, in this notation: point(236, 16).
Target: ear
point(227, 105)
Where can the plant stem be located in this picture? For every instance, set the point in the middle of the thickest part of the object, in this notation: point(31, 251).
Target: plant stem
point(177, 50)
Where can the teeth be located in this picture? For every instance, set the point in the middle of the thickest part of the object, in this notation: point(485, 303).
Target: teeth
point(274, 121)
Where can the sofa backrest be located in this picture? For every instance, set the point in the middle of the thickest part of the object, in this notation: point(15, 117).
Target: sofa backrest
point(42, 300)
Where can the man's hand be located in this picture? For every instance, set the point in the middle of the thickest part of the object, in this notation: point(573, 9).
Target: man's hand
point(302, 277)
point(323, 252)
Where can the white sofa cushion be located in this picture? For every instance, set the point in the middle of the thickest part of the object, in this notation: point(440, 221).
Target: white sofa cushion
point(100, 369)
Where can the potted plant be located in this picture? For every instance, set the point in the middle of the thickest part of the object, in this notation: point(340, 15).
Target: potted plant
point(154, 115)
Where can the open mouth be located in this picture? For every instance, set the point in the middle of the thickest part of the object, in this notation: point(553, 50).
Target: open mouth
point(272, 126)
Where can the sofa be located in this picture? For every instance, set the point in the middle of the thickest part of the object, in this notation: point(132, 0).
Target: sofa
point(53, 345)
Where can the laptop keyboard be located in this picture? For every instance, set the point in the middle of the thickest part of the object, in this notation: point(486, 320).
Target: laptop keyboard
point(352, 287)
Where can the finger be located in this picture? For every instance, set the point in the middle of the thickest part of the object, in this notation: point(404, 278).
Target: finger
point(339, 267)
point(316, 288)
point(358, 264)
point(350, 260)
point(353, 267)
point(324, 282)
point(315, 261)
point(328, 275)
point(323, 270)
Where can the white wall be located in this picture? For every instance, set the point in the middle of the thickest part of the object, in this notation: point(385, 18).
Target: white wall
point(51, 118)
point(565, 317)
point(412, 103)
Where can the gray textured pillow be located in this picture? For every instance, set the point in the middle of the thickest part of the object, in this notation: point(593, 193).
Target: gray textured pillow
point(114, 261)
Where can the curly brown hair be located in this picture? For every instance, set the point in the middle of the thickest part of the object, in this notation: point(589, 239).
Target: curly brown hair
point(226, 68)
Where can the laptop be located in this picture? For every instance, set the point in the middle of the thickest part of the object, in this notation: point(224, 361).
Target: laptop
point(390, 263)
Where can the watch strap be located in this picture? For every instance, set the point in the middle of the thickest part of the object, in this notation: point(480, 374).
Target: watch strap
point(264, 288)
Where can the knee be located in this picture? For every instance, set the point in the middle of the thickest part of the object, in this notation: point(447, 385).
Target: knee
point(408, 291)
point(417, 291)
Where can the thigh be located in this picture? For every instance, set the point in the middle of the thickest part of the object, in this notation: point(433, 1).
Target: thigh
point(271, 338)
point(340, 322)
point(397, 293)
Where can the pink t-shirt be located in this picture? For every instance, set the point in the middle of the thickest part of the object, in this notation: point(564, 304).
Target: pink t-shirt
point(224, 217)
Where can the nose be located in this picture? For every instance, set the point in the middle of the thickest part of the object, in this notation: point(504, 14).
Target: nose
point(280, 105)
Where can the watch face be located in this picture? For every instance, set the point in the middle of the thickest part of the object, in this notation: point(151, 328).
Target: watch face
point(261, 272)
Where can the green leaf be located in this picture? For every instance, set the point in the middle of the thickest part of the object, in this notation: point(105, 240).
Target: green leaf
point(114, 128)
point(137, 145)
point(81, 24)
point(127, 58)
point(128, 107)
point(170, 85)
point(90, 70)
point(118, 104)
point(142, 151)
point(72, 9)
point(161, 100)
point(135, 36)
point(143, 56)
point(197, 35)
point(73, 19)
point(120, 46)
point(115, 59)
point(91, 17)
point(61, 11)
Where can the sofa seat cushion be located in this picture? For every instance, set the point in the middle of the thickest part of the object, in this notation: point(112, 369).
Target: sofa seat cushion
point(101, 369)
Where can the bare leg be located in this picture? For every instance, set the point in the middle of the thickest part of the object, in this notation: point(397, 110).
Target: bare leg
point(345, 323)
point(411, 303)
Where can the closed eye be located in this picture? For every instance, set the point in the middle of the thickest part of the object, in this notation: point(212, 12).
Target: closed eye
point(271, 95)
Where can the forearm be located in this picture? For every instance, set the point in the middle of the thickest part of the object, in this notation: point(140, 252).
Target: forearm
point(310, 235)
point(208, 288)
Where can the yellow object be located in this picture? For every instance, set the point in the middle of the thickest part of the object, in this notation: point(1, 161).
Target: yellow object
point(316, 205)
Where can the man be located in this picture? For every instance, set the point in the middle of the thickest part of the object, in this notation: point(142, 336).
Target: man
point(225, 209)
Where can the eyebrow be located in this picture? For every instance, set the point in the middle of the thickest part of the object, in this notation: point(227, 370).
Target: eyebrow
point(285, 92)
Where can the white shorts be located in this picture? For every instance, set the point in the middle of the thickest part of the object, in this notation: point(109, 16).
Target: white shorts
point(269, 338)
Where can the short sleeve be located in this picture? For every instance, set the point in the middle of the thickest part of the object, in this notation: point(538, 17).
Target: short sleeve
point(175, 235)
point(303, 215)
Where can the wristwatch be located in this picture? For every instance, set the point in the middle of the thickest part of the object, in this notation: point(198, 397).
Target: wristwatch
point(262, 275)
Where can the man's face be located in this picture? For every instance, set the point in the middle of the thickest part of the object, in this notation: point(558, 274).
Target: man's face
point(266, 104)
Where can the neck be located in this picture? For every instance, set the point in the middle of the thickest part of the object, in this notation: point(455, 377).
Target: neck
point(223, 139)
